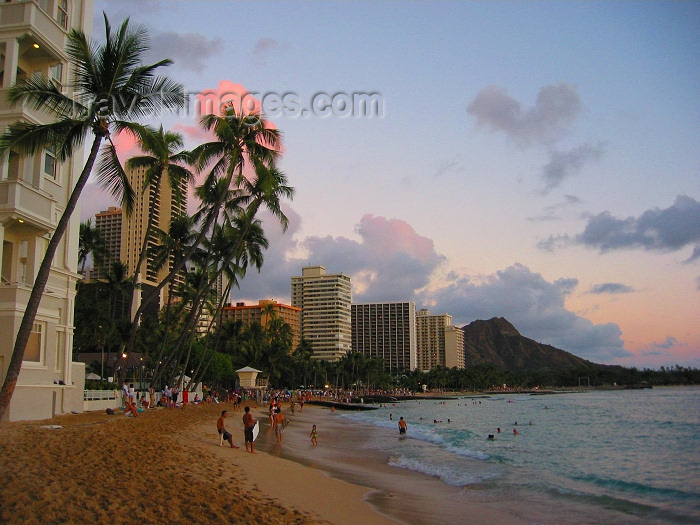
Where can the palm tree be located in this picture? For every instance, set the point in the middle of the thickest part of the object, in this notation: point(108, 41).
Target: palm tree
point(90, 241)
point(171, 246)
point(111, 87)
point(161, 157)
point(242, 140)
point(119, 286)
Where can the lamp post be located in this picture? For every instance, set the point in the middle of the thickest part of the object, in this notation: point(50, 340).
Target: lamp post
point(100, 339)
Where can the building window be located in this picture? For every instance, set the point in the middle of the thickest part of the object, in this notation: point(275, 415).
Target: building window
point(62, 13)
point(56, 73)
point(35, 345)
point(50, 163)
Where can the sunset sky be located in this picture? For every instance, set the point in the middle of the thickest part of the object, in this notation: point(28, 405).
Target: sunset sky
point(538, 161)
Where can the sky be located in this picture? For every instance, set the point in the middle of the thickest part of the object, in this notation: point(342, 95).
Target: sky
point(538, 161)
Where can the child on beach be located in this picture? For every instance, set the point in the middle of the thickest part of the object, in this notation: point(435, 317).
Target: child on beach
point(314, 436)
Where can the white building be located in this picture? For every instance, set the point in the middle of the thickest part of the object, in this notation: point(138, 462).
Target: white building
point(325, 301)
point(33, 193)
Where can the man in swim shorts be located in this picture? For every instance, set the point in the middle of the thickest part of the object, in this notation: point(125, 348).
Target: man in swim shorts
point(221, 428)
point(248, 424)
point(402, 426)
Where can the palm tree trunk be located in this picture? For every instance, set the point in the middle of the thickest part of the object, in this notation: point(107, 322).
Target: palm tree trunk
point(144, 247)
point(25, 328)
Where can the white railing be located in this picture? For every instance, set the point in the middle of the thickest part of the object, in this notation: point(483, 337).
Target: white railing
point(99, 395)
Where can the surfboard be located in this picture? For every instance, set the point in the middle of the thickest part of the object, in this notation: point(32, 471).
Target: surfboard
point(256, 430)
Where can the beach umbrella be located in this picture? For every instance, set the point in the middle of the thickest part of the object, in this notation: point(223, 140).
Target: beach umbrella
point(92, 377)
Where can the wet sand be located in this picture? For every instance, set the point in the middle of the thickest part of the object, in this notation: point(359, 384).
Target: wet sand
point(408, 496)
point(166, 466)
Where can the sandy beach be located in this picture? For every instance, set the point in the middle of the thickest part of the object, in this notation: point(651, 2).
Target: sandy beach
point(166, 466)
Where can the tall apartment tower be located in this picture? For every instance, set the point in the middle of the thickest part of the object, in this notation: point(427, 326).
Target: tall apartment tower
point(325, 301)
point(109, 222)
point(166, 207)
point(33, 194)
point(439, 342)
point(386, 331)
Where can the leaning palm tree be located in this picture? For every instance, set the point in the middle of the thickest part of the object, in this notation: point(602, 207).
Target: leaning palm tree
point(110, 87)
point(171, 247)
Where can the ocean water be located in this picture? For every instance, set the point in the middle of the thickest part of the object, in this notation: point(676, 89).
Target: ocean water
point(634, 452)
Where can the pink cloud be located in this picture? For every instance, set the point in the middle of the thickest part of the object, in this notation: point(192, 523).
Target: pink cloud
point(226, 94)
point(194, 133)
point(394, 235)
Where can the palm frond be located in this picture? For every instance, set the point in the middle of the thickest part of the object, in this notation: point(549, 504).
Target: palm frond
point(112, 177)
point(41, 93)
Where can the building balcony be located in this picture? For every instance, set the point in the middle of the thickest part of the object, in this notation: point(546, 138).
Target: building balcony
point(11, 114)
point(31, 206)
point(14, 293)
point(26, 17)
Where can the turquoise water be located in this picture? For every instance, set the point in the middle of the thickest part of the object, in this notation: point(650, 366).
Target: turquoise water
point(633, 451)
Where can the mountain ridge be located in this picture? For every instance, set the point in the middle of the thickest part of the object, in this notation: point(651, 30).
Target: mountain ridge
point(497, 342)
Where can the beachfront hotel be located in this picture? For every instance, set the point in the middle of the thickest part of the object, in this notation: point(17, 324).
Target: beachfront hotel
point(263, 312)
point(109, 223)
point(439, 343)
point(324, 300)
point(33, 193)
point(165, 207)
point(386, 331)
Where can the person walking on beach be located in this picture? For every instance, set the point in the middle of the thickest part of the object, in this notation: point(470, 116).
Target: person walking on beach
point(125, 394)
point(314, 436)
point(248, 424)
point(221, 428)
point(279, 424)
point(402, 426)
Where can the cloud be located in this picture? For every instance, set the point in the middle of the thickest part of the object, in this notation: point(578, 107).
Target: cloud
point(265, 49)
point(227, 93)
point(552, 213)
point(265, 46)
point(389, 262)
point(189, 51)
point(662, 348)
point(555, 109)
point(534, 306)
point(665, 230)
point(392, 262)
point(695, 255)
point(610, 288)
point(564, 164)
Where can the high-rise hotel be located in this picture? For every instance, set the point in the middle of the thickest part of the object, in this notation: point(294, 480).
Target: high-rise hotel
point(165, 208)
point(386, 331)
point(33, 194)
point(439, 343)
point(325, 301)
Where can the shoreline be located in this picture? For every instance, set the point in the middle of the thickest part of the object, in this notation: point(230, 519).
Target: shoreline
point(404, 495)
point(166, 466)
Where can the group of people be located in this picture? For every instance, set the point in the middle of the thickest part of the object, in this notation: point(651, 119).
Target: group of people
point(278, 422)
point(249, 423)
